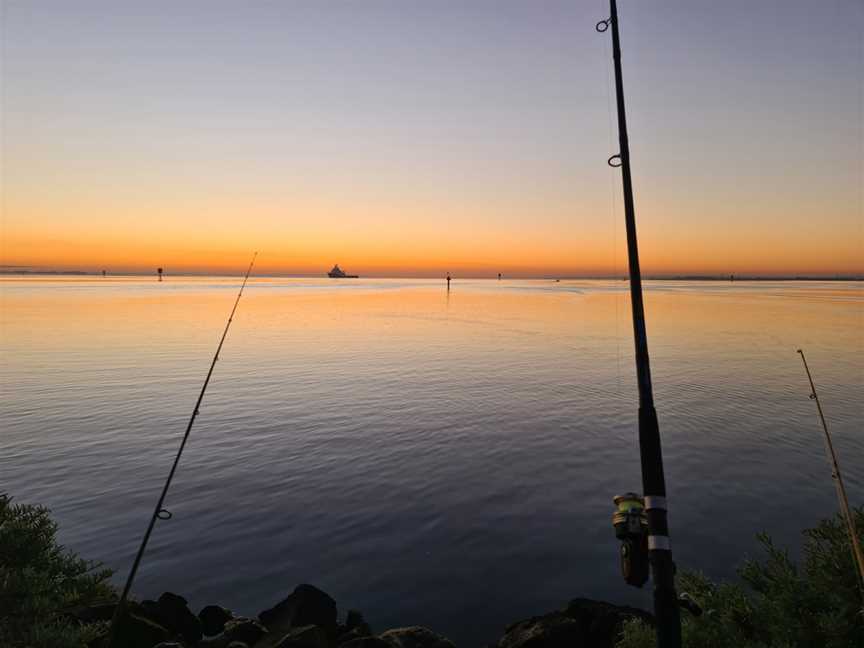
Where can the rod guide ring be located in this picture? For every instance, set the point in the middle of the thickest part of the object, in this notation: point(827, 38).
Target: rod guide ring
point(612, 161)
point(603, 25)
point(164, 514)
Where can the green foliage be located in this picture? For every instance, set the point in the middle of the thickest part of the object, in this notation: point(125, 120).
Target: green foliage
point(778, 604)
point(40, 581)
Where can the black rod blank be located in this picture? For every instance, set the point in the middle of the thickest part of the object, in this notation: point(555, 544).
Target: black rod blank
point(159, 513)
point(857, 553)
point(653, 482)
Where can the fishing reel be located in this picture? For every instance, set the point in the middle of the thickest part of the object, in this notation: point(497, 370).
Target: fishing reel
point(631, 529)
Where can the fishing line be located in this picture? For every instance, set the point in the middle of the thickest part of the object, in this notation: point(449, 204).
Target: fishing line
point(160, 513)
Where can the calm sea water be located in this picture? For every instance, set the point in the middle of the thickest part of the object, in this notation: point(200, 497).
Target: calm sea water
point(435, 459)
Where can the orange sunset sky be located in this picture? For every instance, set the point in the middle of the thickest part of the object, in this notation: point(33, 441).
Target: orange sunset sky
point(415, 139)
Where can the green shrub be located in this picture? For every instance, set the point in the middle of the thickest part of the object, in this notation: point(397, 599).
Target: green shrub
point(40, 581)
point(777, 604)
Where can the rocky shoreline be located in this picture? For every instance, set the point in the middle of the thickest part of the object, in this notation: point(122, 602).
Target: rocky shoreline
point(309, 618)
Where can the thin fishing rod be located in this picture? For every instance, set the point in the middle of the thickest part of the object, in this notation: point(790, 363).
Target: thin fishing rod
point(653, 481)
point(857, 554)
point(159, 513)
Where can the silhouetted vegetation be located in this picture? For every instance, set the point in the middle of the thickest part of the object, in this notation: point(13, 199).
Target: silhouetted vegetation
point(41, 583)
point(778, 603)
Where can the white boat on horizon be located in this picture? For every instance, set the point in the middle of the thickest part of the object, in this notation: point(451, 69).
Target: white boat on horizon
point(338, 273)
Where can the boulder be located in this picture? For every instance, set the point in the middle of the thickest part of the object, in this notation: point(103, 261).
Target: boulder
point(555, 630)
point(356, 633)
point(366, 642)
point(354, 621)
point(213, 619)
point(355, 627)
point(415, 637)
point(174, 613)
point(592, 624)
point(97, 611)
point(147, 608)
point(602, 622)
point(218, 641)
point(237, 644)
point(306, 605)
point(136, 631)
point(305, 637)
point(169, 644)
point(246, 630)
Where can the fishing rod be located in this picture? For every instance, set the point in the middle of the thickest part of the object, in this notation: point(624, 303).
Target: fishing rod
point(160, 513)
point(653, 517)
point(857, 554)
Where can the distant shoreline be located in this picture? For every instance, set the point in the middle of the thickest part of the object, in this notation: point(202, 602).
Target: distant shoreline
point(726, 279)
point(45, 272)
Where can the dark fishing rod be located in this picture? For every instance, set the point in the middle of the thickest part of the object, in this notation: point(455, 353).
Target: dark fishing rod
point(160, 513)
point(857, 553)
point(666, 608)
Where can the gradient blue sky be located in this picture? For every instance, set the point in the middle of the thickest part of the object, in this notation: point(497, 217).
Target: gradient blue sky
point(403, 137)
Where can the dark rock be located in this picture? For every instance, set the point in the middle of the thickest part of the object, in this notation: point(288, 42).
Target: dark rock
point(139, 632)
point(174, 614)
point(147, 608)
point(213, 619)
point(237, 644)
point(366, 642)
point(98, 611)
point(171, 612)
point(246, 630)
point(305, 637)
point(169, 644)
point(355, 627)
point(555, 630)
point(602, 622)
point(415, 637)
point(592, 624)
point(219, 641)
point(357, 633)
point(170, 600)
point(306, 605)
point(354, 622)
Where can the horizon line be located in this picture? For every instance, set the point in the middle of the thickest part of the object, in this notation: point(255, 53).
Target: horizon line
point(6, 271)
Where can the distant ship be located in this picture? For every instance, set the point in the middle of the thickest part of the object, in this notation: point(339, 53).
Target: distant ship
point(339, 273)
